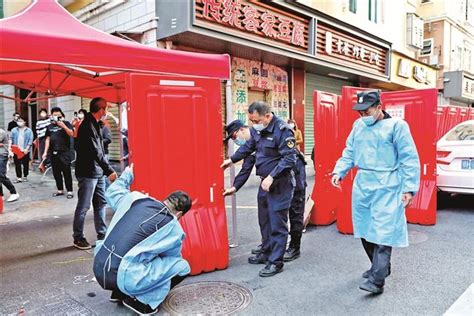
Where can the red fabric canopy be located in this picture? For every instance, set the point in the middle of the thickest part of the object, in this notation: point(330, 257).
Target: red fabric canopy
point(45, 49)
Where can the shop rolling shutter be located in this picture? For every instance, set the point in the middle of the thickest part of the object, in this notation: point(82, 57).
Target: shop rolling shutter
point(315, 82)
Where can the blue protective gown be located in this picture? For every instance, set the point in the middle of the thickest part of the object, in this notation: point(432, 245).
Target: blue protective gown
point(146, 270)
point(388, 163)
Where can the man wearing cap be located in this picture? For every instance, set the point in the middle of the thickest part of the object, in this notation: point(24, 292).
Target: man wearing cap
point(388, 177)
point(274, 145)
point(240, 133)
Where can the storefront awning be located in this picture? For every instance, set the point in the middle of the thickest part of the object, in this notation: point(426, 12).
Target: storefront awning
point(45, 49)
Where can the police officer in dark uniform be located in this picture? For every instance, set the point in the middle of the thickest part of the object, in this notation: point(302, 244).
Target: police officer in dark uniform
point(274, 146)
point(240, 133)
point(297, 209)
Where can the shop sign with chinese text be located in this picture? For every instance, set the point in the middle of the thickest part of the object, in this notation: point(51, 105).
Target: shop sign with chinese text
point(255, 18)
point(349, 50)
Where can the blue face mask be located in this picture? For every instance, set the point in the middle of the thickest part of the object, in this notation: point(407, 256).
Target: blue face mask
point(240, 141)
point(370, 120)
point(258, 127)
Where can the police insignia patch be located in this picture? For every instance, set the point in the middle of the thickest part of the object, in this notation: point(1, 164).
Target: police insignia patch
point(290, 143)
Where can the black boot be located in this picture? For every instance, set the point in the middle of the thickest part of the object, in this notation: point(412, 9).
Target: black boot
point(293, 251)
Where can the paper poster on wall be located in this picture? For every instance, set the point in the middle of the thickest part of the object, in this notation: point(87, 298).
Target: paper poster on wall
point(254, 74)
point(396, 111)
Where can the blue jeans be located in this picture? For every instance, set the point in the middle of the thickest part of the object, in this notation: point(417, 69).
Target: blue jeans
point(91, 191)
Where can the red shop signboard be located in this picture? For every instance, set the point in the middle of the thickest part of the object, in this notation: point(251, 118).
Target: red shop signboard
point(256, 18)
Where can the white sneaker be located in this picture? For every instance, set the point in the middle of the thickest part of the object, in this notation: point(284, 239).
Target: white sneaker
point(13, 197)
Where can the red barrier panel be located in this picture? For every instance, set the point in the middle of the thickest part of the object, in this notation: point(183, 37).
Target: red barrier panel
point(441, 114)
point(463, 115)
point(175, 131)
point(452, 118)
point(471, 113)
point(326, 106)
point(347, 116)
point(414, 106)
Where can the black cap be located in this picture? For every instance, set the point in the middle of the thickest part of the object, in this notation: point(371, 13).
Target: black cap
point(233, 127)
point(366, 99)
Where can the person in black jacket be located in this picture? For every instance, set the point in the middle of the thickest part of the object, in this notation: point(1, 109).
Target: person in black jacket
point(91, 166)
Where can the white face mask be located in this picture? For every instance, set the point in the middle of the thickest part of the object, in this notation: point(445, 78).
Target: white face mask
point(80, 116)
point(43, 115)
point(21, 124)
point(292, 125)
point(258, 127)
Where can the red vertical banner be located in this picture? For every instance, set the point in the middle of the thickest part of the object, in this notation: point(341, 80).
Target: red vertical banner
point(419, 109)
point(325, 196)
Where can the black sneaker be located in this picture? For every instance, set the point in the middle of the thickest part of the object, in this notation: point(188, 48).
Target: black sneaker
point(82, 244)
point(291, 254)
point(270, 270)
point(138, 307)
point(371, 287)
point(257, 250)
point(258, 259)
point(117, 296)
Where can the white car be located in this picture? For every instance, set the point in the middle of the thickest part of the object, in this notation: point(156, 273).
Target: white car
point(455, 159)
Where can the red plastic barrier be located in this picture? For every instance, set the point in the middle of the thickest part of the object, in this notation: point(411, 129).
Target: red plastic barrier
point(452, 118)
point(175, 142)
point(326, 107)
point(471, 113)
point(441, 114)
point(347, 116)
point(413, 106)
point(1, 204)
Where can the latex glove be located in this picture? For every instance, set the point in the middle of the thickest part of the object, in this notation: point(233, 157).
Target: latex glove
point(229, 191)
point(336, 182)
point(267, 183)
point(407, 199)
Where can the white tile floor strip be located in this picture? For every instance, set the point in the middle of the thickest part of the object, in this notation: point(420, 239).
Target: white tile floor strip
point(464, 305)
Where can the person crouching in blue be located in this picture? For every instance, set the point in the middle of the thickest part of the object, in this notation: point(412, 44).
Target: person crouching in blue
point(140, 258)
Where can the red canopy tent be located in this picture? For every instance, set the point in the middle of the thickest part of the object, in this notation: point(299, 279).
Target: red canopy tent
point(45, 49)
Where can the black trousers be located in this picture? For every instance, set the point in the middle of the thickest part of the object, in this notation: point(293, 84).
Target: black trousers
point(4, 180)
point(296, 213)
point(379, 256)
point(61, 164)
point(22, 164)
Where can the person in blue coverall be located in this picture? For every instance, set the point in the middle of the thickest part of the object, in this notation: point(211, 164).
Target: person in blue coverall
point(240, 134)
point(140, 258)
point(274, 145)
point(388, 177)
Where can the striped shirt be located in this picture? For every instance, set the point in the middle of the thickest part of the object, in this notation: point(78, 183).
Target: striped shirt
point(41, 126)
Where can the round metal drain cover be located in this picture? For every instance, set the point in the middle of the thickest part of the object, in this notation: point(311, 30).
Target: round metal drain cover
point(207, 298)
point(416, 237)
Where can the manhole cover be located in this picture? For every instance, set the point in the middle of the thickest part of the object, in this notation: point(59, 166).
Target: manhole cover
point(208, 298)
point(416, 237)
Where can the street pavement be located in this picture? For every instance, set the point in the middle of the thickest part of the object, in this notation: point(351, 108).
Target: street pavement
point(41, 271)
